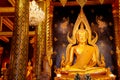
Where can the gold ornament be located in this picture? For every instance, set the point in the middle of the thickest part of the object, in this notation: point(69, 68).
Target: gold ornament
point(63, 2)
point(81, 2)
point(101, 1)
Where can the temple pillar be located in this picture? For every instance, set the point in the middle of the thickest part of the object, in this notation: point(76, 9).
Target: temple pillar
point(116, 23)
point(1, 52)
point(49, 48)
point(19, 47)
point(40, 46)
point(39, 51)
point(115, 12)
point(1, 23)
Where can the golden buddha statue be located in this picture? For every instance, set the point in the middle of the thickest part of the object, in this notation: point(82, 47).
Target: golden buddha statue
point(82, 46)
point(88, 60)
point(86, 55)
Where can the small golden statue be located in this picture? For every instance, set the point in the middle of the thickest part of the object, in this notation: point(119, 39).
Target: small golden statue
point(88, 60)
point(29, 71)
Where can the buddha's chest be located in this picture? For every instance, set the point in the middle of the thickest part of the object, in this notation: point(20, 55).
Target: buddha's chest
point(80, 50)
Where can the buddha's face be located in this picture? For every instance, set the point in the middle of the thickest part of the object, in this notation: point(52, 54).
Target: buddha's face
point(82, 36)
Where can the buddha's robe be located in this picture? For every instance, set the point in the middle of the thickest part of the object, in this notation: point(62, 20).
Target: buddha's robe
point(85, 57)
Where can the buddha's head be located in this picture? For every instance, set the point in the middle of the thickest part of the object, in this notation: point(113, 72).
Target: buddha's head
point(29, 63)
point(81, 34)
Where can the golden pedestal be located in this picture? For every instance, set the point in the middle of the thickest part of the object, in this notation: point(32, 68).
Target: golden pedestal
point(103, 74)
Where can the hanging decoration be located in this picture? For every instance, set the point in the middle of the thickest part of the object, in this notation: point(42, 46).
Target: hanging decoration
point(81, 2)
point(63, 2)
point(36, 14)
point(101, 1)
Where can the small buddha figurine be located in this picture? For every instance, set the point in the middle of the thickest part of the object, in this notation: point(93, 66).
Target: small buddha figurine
point(29, 71)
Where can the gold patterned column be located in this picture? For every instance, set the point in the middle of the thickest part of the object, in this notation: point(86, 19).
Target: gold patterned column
point(117, 31)
point(119, 12)
point(49, 48)
point(1, 52)
point(38, 57)
point(39, 50)
point(19, 48)
point(40, 46)
point(1, 23)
